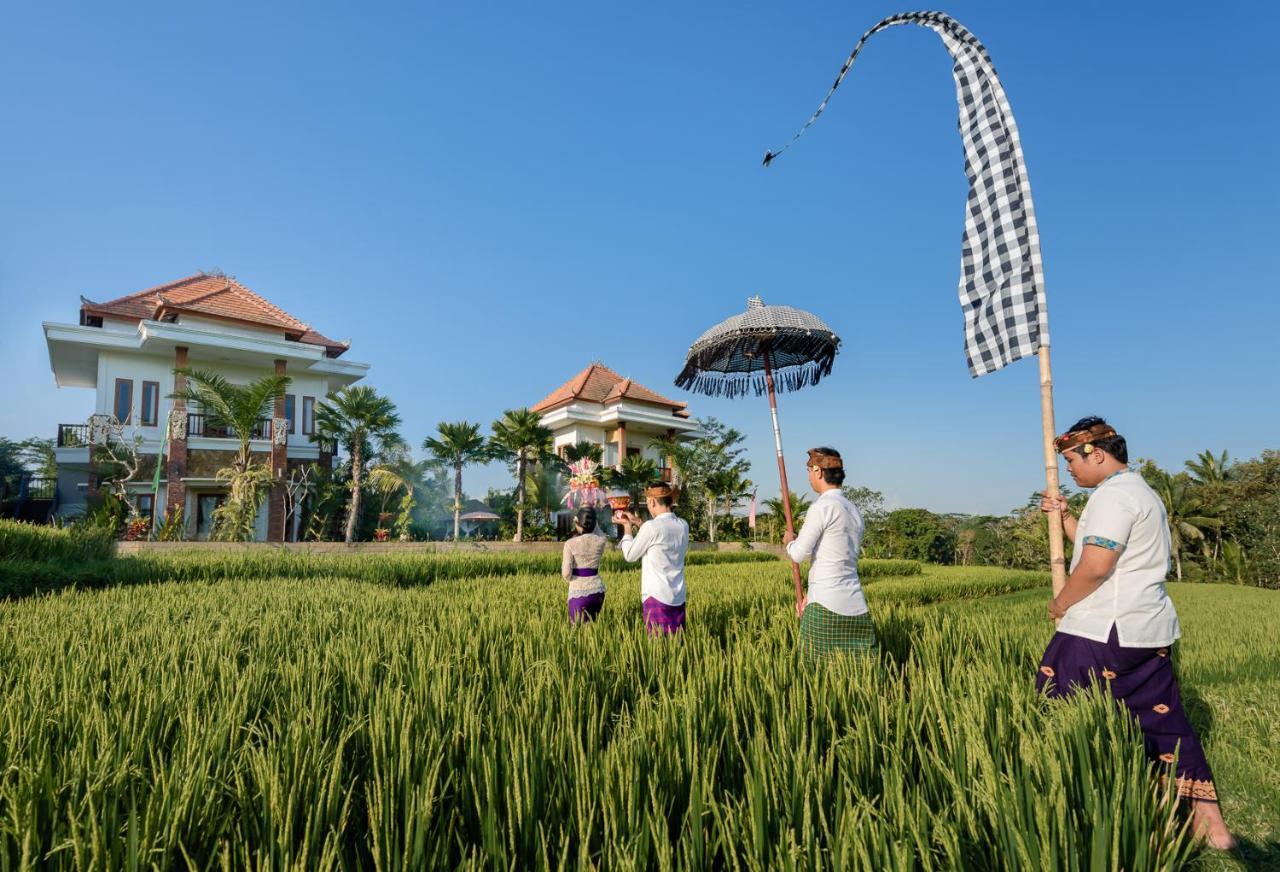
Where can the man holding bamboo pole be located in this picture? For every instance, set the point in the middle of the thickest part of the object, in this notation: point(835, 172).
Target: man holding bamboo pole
point(1117, 623)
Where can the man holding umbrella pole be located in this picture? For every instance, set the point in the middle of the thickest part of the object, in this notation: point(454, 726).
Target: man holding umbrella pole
point(833, 614)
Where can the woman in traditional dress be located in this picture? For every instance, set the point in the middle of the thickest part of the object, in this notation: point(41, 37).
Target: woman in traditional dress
point(580, 566)
point(1117, 623)
point(833, 614)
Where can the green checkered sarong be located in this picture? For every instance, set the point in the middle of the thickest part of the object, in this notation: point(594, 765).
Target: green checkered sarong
point(823, 632)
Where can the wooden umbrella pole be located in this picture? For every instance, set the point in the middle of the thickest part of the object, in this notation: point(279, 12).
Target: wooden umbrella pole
point(782, 471)
point(1057, 554)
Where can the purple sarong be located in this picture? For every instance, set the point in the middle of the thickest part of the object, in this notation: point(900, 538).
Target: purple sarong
point(660, 618)
point(1141, 678)
point(585, 608)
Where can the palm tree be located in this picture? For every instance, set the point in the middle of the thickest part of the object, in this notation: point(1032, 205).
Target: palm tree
point(237, 409)
point(1189, 513)
point(729, 486)
point(360, 419)
point(234, 408)
point(582, 450)
point(398, 473)
point(519, 435)
point(544, 488)
point(1210, 469)
point(635, 474)
point(459, 443)
point(799, 505)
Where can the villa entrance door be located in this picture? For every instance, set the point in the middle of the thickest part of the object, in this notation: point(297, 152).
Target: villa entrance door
point(205, 504)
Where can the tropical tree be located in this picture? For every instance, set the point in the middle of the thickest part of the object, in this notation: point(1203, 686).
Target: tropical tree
point(636, 473)
point(1208, 468)
point(519, 436)
point(799, 506)
point(545, 487)
point(718, 449)
point(362, 421)
point(458, 444)
point(1190, 515)
point(399, 475)
point(726, 487)
point(236, 409)
point(583, 450)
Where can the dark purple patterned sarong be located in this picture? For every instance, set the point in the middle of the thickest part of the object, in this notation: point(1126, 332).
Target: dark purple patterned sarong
point(660, 618)
point(1143, 679)
point(585, 608)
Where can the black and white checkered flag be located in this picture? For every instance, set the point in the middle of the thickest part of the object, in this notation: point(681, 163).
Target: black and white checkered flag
point(1002, 277)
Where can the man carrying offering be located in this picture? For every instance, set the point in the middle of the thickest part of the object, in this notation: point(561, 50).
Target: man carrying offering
point(1118, 624)
point(660, 545)
point(833, 615)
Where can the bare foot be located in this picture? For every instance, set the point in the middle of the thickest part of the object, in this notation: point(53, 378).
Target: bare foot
point(1210, 826)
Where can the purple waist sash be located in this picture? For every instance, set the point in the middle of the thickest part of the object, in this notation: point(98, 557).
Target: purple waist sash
point(585, 573)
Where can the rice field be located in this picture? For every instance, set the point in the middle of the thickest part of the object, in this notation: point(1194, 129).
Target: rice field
point(333, 722)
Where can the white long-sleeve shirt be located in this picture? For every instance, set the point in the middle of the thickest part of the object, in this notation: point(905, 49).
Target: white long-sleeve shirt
point(660, 545)
point(832, 537)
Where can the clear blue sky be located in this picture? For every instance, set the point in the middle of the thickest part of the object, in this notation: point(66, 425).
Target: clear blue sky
point(485, 198)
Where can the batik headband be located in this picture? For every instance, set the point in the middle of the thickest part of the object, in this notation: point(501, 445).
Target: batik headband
point(659, 491)
point(1083, 437)
point(824, 461)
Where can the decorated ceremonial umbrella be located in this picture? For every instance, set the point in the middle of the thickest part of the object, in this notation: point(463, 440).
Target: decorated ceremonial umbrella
point(762, 351)
point(1006, 315)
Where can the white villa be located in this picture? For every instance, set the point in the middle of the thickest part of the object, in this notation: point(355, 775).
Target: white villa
point(624, 417)
point(126, 350)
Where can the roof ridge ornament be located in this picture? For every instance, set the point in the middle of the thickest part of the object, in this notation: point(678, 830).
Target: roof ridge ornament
point(755, 302)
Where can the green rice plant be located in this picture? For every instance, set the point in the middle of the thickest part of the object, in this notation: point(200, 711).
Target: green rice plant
point(324, 722)
point(23, 541)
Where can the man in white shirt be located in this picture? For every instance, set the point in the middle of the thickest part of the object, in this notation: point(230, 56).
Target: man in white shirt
point(833, 614)
point(660, 545)
point(1117, 621)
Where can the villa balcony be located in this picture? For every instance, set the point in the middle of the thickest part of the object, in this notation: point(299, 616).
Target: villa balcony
point(198, 425)
point(73, 435)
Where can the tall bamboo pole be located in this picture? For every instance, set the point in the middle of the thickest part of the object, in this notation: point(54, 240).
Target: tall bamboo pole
point(1057, 558)
point(782, 472)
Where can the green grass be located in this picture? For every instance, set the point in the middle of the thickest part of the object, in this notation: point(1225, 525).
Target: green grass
point(328, 722)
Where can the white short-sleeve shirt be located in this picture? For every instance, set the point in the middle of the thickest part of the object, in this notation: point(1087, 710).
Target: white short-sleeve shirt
point(1124, 514)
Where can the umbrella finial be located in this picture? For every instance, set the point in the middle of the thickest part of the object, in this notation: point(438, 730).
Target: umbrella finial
point(755, 303)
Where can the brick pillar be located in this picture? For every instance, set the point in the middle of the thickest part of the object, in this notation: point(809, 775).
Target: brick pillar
point(176, 467)
point(279, 466)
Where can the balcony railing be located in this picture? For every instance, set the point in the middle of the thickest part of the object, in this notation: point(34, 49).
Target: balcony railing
point(199, 425)
point(73, 435)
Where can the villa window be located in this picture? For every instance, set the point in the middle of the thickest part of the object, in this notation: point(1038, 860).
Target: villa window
point(123, 407)
point(291, 412)
point(146, 505)
point(308, 415)
point(150, 403)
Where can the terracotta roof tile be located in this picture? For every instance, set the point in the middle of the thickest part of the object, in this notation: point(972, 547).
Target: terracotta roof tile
point(599, 384)
point(213, 296)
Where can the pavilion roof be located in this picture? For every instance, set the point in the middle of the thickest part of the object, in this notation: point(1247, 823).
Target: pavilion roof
point(599, 384)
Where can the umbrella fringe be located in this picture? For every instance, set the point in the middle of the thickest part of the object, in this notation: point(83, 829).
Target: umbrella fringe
point(738, 384)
